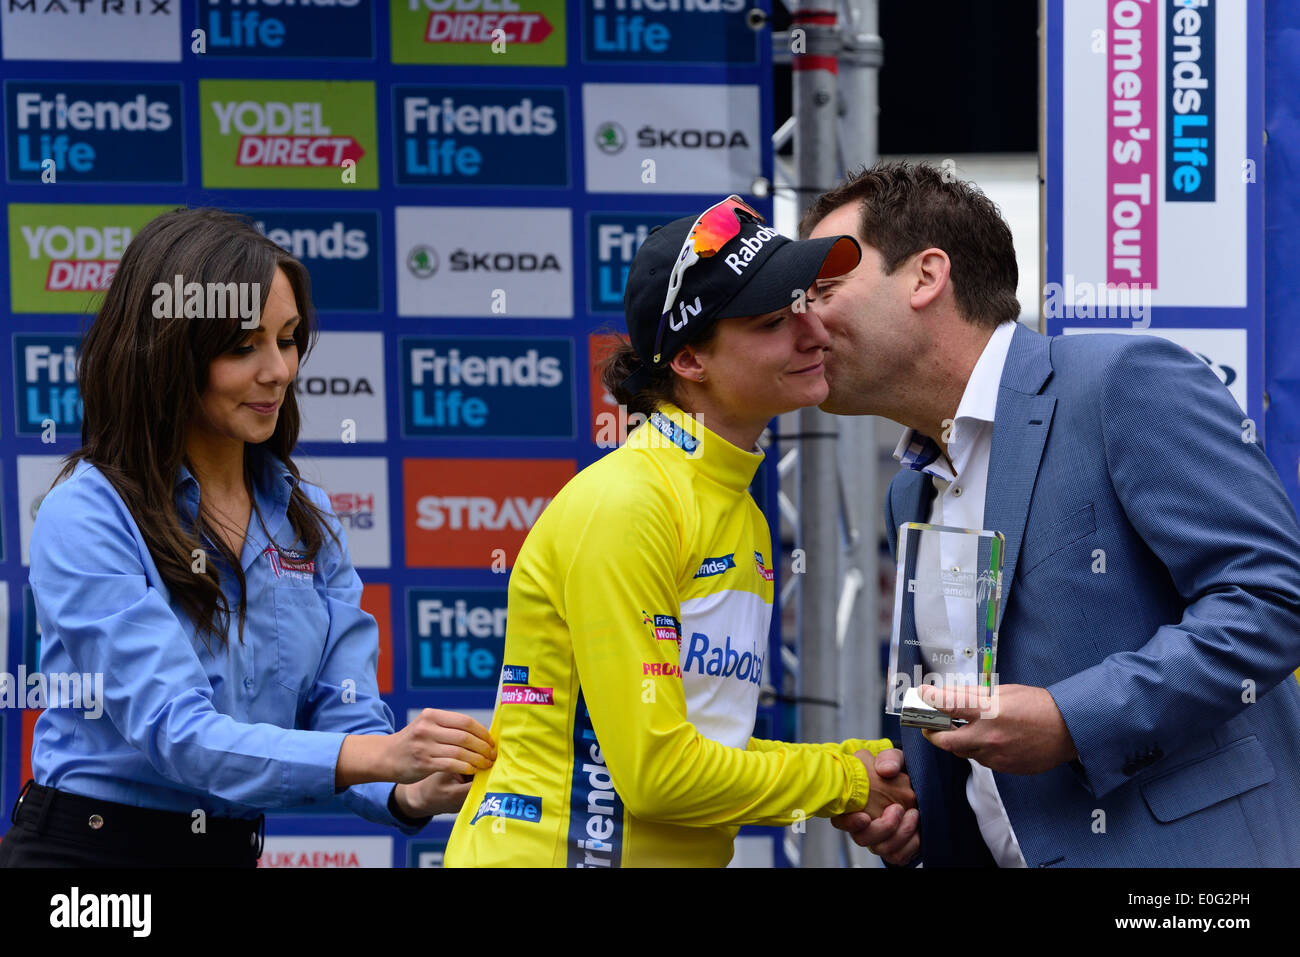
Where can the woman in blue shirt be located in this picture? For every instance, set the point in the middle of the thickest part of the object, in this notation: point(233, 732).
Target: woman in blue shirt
point(184, 564)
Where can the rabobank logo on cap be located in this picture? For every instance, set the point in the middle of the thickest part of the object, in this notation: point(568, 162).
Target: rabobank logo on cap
point(339, 247)
point(66, 132)
point(480, 136)
point(325, 29)
point(487, 387)
point(521, 807)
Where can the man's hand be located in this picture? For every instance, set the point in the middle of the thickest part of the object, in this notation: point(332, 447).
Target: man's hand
point(1017, 729)
point(894, 834)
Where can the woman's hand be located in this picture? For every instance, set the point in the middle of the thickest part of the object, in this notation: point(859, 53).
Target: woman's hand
point(436, 740)
point(440, 793)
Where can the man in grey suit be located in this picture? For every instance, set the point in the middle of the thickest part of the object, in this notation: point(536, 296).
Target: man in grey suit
point(1146, 712)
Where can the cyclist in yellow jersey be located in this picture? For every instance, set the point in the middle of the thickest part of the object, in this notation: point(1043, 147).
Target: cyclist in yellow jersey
point(639, 607)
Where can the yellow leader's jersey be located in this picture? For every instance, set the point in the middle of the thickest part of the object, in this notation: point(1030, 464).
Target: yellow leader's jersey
point(636, 644)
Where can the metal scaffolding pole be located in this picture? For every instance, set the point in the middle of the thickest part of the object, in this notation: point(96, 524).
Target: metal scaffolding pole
point(835, 456)
point(860, 692)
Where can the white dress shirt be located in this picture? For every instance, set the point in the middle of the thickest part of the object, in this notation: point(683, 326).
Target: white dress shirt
point(959, 502)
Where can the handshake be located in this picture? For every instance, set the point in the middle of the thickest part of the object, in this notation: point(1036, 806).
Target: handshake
point(890, 825)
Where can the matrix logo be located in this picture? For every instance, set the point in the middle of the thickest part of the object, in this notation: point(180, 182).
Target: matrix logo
point(289, 134)
point(62, 256)
point(475, 513)
point(703, 138)
point(612, 242)
point(495, 32)
point(93, 132)
point(481, 136)
point(457, 636)
point(690, 31)
point(339, 247)
point(45, 384)
point(319, 30)
point(140, 30)
point(485, 387)
point(484, 261)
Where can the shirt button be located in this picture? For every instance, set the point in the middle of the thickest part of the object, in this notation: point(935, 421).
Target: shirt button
point(957, 492)
point(955, 569)
point(96, 822)
point(248, 684)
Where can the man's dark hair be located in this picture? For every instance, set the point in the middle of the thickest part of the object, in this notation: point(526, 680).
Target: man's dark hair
point(904, 208)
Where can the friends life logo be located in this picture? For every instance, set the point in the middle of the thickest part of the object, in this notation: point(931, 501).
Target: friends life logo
point(612, 243)
point(47, 400)
point(482, 32)
point(481, 136)
point(94, 132)
point(307, 29)
point(58, 254)
point(457, 637)
point(486, 387)
point(288, 134)
point(684, 31)
point(339, 247)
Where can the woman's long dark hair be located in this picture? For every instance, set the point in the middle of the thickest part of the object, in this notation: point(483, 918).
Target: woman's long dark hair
point(141, 378)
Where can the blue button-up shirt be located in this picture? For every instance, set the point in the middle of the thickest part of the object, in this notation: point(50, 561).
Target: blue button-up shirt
point(245, 727)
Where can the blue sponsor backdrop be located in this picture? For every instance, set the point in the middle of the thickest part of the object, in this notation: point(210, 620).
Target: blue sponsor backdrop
point(442, 654)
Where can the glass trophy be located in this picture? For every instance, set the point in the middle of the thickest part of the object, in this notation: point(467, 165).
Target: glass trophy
point(945, 633)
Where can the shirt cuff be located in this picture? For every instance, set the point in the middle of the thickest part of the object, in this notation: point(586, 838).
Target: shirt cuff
point(393, 809)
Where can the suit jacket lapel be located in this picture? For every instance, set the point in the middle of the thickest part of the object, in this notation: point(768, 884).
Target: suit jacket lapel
point(1020, 428)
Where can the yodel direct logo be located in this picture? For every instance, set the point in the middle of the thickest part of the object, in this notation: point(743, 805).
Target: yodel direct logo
point(488, 387)
point(485, 136)
point(94, 132)
point(60, 253)
point(522, 32)
point(288, 134)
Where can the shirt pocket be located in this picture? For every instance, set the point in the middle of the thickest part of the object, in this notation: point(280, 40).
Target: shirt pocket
point(301, 628)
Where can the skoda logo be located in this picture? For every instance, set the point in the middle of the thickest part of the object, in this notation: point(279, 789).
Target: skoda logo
point(422, 261)
point(610, 138)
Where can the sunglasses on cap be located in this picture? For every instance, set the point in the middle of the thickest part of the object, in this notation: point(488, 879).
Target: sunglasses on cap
point(714, 228)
